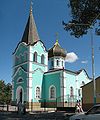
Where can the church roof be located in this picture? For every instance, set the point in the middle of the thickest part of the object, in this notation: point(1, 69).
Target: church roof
point(30, 35)
point(56, 50)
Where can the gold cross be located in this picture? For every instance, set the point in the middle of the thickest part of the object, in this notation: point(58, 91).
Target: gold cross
point(56, 35)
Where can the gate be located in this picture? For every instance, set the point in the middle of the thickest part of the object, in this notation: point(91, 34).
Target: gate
point(66, 101)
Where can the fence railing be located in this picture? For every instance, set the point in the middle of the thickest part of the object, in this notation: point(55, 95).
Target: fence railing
point(8, 108)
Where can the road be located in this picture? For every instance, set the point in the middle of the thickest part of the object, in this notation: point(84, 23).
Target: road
point(34, 116)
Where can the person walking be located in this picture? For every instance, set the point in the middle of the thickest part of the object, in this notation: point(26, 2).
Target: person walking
point(19, 107)
point(24, 107)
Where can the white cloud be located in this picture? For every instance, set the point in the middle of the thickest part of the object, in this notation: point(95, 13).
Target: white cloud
point(84, 61)
point(71, 57)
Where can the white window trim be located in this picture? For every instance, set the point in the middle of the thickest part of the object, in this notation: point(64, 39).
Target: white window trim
point(50, 93)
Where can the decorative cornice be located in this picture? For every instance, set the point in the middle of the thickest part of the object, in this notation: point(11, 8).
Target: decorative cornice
point(18, 71)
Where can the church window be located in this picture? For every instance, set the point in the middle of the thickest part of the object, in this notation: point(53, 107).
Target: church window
point(62, 63)
point(83, 83)
point(20, 80)
point(57, 62)
point(71, 91)
point(38, 92)
point(35, 57)
point(79, 92)
point(42, 59)
point(52, 92)
point(52, 64)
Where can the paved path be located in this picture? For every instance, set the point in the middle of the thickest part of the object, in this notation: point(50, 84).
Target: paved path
point(34, 116)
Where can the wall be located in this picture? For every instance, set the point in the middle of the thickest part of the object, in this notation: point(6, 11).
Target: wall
point(20, 66)
point(87, 92)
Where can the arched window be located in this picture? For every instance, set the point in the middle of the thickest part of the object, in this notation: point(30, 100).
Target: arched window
point(62, 63)
point(20, 80)
point(57, 62)
point(38, 92)
point(52, 63)
point(52, 92)
point(35, 57)
point(71, 92)
point(83, 83)
point(79, 92)
point(42, 59)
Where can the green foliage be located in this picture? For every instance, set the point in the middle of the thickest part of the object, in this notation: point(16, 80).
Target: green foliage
point(83, 12)
point(5, 92)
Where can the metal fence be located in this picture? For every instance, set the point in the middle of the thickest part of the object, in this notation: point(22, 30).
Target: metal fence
point(8, 108)
point(66, 101)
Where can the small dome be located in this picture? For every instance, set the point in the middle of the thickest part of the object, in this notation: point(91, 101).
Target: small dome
point(56, 50)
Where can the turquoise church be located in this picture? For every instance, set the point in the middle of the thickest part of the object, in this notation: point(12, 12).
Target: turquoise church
point(39, 75)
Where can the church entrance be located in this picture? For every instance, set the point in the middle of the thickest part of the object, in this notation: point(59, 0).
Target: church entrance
point(20, 96)
point(19, 93)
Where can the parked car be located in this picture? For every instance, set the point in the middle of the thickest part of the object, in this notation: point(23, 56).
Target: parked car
point(92, 114)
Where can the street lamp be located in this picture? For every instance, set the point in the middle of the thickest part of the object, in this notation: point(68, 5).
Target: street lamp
point(92, 50)
point(92, 55)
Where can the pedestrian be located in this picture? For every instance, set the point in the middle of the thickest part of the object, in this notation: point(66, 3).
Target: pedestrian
point(19, 107)
point(80, 107)
point(77, 109)
point(24, 107)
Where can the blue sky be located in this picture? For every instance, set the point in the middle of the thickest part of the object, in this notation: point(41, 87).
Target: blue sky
point(48, 15)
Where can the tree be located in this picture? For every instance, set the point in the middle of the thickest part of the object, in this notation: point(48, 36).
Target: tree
point(83, 12)
point(2, 86)
point(5, 92)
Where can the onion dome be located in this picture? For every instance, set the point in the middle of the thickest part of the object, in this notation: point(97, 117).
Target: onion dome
point(56, 50)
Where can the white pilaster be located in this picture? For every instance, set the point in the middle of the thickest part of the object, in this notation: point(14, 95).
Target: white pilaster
point(64, 77)
point(30, 75)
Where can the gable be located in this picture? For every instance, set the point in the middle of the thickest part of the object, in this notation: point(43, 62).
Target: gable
point(20, 49)
point(19, 72)
point(38, 70)
point(83, 76)
point(38, 47)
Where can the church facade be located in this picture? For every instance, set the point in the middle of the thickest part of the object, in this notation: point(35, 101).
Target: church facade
point(38, 83)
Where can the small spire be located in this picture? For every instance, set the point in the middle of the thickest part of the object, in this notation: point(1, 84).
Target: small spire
point(56, 35)
point(57, 43)
point(31, 4)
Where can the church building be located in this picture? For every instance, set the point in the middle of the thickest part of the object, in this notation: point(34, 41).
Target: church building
point(39, 75)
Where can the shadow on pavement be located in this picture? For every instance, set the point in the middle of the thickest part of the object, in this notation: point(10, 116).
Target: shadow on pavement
point(35, 116)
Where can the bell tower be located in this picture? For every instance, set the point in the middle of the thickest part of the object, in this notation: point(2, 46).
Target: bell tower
point(30, 62)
